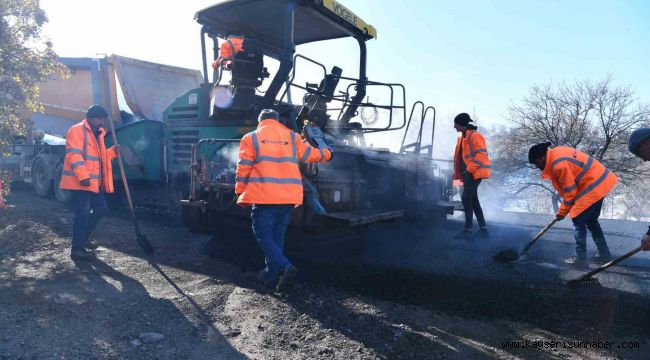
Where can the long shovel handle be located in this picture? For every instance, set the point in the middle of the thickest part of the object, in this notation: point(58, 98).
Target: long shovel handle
point(123, 175)
point(538, 236)
point(610, 264)
point(141, 239)
point(124, 182)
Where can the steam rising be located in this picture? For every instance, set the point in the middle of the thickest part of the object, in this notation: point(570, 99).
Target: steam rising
point(222, 165)
point(230, 153)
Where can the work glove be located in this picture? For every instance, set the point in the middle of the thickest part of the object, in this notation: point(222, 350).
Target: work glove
point(645, 242)
point(559, 217)
point(85, 182)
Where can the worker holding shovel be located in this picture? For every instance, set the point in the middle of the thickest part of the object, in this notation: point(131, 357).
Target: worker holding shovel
point(639, 144)
point(88, 173)
point(583, 182)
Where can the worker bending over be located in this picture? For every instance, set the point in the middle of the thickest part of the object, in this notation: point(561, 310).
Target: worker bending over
point(583, 182)
point(269, 179)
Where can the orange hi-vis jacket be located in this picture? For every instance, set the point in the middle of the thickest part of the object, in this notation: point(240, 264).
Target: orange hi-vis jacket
point(580, 179)
point(83, 155)
point(475, 156)
point(267, 171)
point(228, 50)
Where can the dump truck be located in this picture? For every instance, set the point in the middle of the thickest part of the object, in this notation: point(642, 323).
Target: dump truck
point(145, 90)
point(200, 131)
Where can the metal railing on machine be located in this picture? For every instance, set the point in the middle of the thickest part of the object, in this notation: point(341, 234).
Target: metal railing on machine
point(416, 146)
point(345, 98)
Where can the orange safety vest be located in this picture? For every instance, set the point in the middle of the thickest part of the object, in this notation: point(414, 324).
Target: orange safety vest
point(475, 156)
point(267, 171)
point(580, 179)
point(228, 50)
point(83, 156)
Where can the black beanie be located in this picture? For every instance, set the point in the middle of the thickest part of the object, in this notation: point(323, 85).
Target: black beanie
point(537, 151)
point(463, 119)
point(96, 111)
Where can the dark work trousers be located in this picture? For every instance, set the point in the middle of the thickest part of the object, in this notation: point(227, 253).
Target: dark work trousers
point(470, 201)
point(89, 207)
point(588, 219)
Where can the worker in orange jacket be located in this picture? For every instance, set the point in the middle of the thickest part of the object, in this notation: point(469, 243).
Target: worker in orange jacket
point(269, 179)
point(639, 145)
point(228, 50)
point(471, 166)
point(583, 182)
point(88, 174)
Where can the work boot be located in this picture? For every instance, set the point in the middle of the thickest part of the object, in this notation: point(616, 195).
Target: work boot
point(577, 261)
point(287, 279)
point(82, 255)
point(91, 245)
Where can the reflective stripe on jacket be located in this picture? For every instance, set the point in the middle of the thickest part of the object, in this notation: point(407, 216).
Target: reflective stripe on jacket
point(580, 179)
point(83, 155)
point(475, 156)
point(228, 50)
point(267, 171)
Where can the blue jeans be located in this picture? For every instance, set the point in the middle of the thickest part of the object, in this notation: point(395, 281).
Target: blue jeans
point(588, 219)
point(89, 207)
point(269, 226)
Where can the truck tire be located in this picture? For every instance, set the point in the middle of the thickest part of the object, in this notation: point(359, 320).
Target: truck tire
point(61, 195)
point(41, 179)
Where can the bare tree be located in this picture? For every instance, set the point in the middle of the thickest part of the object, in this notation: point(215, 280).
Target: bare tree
point(595, 118)
point(635, 202)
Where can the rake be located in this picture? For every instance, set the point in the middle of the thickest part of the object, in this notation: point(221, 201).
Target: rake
point(588, 280)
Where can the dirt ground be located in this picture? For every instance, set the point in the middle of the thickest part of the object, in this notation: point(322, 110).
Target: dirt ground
point(199, 307)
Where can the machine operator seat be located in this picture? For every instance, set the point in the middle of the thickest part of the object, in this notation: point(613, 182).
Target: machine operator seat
point(247, 73)
point(248, 66)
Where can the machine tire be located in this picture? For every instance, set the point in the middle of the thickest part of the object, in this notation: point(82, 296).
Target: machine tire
point(61, 195)
point(41, 180)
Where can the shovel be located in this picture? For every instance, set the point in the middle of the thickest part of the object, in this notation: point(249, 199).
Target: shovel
point(509, 255)
point(588, 281)
point(141, 239)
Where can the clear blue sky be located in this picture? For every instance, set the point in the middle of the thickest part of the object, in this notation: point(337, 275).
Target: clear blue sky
point(459, 56)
